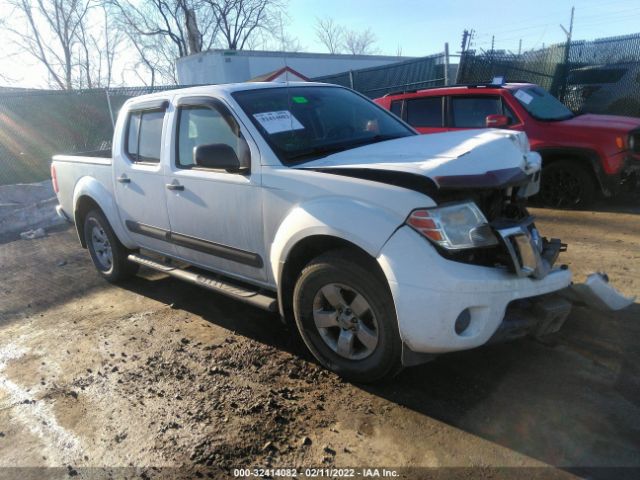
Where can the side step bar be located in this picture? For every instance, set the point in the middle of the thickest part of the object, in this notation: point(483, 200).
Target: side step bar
point(211, 282)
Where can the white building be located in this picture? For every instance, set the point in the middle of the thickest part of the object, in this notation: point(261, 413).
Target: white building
point(228, 66)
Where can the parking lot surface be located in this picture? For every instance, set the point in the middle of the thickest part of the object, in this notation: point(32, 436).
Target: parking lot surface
point(158, 373)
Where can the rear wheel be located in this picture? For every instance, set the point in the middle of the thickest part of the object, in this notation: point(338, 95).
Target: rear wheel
point(566, 184)
point(346, 317)
point(108, 254)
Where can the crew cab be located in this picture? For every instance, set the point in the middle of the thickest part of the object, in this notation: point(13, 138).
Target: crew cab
point(383, 246)
point(582, 155)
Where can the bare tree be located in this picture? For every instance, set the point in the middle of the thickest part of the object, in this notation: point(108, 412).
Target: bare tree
point(73, 39)
point(162, 31)
point(240, 20)
point(330, 34)
point(184, 23)
point(3, 76)
point(50, 34)
point(284, 41)
point(99, 40)
point(360, 43)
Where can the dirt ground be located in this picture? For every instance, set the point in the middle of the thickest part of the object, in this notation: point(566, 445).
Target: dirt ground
point(156, 373)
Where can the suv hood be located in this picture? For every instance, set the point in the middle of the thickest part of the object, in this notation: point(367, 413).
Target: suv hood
point(614, 123)
point(463, 159)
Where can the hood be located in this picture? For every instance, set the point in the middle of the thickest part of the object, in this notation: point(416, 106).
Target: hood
point(467, 158)
point(613, 123)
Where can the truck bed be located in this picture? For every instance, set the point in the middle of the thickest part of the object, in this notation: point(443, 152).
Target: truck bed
point(74, 170)
point(93, 156)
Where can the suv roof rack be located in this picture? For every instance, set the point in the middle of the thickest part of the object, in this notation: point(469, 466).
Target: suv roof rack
point(400, 92)
point(467, 85)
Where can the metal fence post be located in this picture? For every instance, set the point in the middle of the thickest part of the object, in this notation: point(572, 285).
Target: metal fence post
point(113, 122)
point(446, 63)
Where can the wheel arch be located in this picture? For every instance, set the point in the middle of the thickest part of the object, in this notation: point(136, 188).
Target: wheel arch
point(84, 205)
point(588, 159)
point(89, 193)
point(306, 250)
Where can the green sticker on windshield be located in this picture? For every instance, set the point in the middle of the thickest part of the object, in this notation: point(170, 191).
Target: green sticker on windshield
point(300, 99)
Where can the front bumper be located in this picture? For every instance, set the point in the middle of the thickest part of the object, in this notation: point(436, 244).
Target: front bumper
point(536, 316)
point(430, 292)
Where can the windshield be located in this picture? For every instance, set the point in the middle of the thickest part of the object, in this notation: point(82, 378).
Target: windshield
point(541, 105)
point(302, 123)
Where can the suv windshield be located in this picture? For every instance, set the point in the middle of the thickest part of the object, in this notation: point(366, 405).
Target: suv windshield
point(302, 123)
point(541, 105)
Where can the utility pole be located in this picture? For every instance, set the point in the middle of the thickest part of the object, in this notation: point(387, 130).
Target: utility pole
point(565, 69)
point(493, 42)
point(465, 36)
point(520, 47)
point(569, 32)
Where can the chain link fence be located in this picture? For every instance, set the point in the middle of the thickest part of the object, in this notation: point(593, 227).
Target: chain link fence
point(596, 76)
point(599, 76)
point(36, 124)
point(375, 82)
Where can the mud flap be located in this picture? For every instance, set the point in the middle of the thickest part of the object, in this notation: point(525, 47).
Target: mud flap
point(597, 293)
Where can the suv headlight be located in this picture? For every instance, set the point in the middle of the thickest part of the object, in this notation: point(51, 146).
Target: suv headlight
point(454, 227)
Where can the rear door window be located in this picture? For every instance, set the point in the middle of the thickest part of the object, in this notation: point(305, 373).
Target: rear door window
point(424, 112)
point(471, 112)
point(144, 136)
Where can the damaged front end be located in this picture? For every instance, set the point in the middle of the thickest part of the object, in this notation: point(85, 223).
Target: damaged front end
point(519, 246)
point(524, 252)
point(545, 314)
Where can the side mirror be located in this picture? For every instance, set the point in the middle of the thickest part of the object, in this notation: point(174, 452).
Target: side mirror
point(220, 156)
point(496, 121)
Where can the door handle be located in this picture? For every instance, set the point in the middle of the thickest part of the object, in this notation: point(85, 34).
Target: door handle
point(175, 186)
point(123, 179)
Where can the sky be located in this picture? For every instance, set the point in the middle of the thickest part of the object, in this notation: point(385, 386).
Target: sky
point(421, 27)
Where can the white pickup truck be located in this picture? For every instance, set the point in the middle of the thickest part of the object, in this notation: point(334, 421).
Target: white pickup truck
point(384, 246)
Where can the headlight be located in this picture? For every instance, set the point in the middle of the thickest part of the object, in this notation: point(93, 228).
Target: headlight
point(454, 227)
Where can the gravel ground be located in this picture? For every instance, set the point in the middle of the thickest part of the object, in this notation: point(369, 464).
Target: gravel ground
point(156, 374)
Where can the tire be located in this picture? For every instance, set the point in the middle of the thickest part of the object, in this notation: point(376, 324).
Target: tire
point(108, 254)
point(361, 341)
point(566, 184)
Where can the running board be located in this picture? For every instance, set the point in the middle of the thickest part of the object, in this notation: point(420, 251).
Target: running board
point(211, 282)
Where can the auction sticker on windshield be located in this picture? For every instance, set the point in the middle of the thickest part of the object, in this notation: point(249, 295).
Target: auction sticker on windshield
point(276, 122)
point(523, 96)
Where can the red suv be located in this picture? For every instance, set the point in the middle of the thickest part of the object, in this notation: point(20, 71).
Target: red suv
point(582, 154)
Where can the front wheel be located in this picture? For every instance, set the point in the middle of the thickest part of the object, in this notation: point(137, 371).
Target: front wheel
point(346, 317)
point(566, 184)
point(108, 254)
